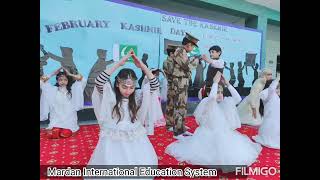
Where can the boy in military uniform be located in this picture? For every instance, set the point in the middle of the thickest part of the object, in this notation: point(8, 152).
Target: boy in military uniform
point(168, 70)
point(180, 81)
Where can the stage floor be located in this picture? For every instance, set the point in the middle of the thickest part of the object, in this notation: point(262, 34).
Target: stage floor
point(77, 149)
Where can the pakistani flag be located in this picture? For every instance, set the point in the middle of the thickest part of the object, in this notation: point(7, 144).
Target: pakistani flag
point(120, 50)
point(194, 52)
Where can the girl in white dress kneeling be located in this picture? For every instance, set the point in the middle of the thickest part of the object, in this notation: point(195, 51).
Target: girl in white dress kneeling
point(228, 104)
point(269, 131)
point(62, 102)
point(120, 112)
point(214, 142)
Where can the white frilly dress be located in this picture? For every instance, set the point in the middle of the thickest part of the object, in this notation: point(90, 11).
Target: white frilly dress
point(269, 131)
point(123, 143)
point(214, 142)
point(61, 107)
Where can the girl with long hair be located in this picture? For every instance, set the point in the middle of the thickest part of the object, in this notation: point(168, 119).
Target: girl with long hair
point(120, 112)
point(229, 103)
point(61, 101)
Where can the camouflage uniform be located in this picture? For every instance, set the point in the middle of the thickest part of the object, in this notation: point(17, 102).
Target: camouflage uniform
point(180, 79)
point(168, 70)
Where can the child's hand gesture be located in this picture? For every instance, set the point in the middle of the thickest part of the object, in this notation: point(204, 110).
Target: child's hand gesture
point(78, 77)
point(57, 71)
point(67, 72)
point(44, 78)
point(204, 57)
point(136, 60)
point(125, 58)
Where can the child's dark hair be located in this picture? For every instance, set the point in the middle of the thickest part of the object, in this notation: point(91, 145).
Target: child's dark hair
point(216, 48)
point(70, 80)
point(169, 51)
point(208, 86)
point(133, 108)
point(261, 107)
point(186, 41)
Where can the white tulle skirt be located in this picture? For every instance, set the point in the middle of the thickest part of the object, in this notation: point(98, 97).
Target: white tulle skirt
point(207, 147)
point(122, 152)
point(269, 133)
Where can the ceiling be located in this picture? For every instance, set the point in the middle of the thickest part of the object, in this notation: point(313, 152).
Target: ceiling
point(272, 4)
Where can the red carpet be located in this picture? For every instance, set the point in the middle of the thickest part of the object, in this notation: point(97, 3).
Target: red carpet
point(77, 149)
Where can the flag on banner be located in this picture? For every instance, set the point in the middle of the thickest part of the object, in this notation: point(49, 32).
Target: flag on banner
point(120, 50)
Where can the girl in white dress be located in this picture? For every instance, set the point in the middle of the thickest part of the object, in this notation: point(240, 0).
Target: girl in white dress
point(228, 104)
point(248, 109)
point(269, 131)
point(61, 101)
point(213, 142)
point(120, 112)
